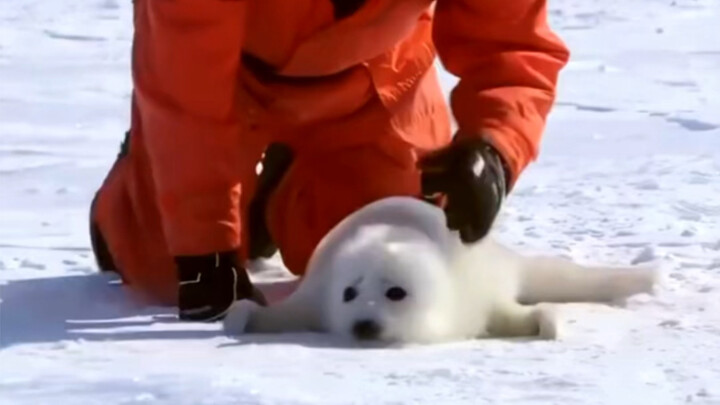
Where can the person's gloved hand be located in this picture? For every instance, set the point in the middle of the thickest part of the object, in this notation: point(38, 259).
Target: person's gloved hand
point(470, 174)
point(209, 284)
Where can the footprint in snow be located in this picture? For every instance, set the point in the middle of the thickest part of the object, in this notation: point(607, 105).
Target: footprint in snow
point(28, 264)
point(693, 124)
point(647, 255)
point(73, 37)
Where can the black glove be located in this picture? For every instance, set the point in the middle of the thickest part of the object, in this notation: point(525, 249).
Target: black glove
point(470, 174)
point(210, 284)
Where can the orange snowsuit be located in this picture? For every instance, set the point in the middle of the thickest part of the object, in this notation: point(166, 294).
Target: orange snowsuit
point(350, 86)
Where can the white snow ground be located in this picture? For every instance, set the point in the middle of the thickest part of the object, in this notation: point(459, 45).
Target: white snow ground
point(630, 171)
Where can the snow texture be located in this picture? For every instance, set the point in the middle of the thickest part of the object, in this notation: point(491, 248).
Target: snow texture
point(629, 173)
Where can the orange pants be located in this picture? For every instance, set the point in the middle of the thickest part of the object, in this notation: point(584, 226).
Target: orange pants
point(338, 166)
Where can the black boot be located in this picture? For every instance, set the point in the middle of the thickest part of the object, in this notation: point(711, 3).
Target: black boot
point(100, 249)
point(210, 284)
point(276, 161)
point(103, 259)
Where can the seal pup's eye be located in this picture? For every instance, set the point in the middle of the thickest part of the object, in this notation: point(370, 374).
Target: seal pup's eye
point(395, 294)
point(349, 294)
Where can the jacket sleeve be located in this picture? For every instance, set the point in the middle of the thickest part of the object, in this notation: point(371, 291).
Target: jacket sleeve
point(186, 55)
point(507, 60)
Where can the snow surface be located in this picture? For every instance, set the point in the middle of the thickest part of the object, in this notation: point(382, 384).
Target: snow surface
point(630, 172)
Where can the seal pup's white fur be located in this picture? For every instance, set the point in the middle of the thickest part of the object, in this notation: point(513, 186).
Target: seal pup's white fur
point(452, 291)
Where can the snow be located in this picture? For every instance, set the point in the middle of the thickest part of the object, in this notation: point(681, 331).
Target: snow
point(629, 173)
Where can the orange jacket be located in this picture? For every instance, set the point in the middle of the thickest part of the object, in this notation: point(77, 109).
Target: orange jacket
point(195, 95)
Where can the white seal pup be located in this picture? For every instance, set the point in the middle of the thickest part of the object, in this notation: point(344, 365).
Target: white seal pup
point(392, 272)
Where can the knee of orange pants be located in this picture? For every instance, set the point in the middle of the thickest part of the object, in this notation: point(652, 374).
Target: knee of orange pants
point(318, 191)
point(343, 165)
